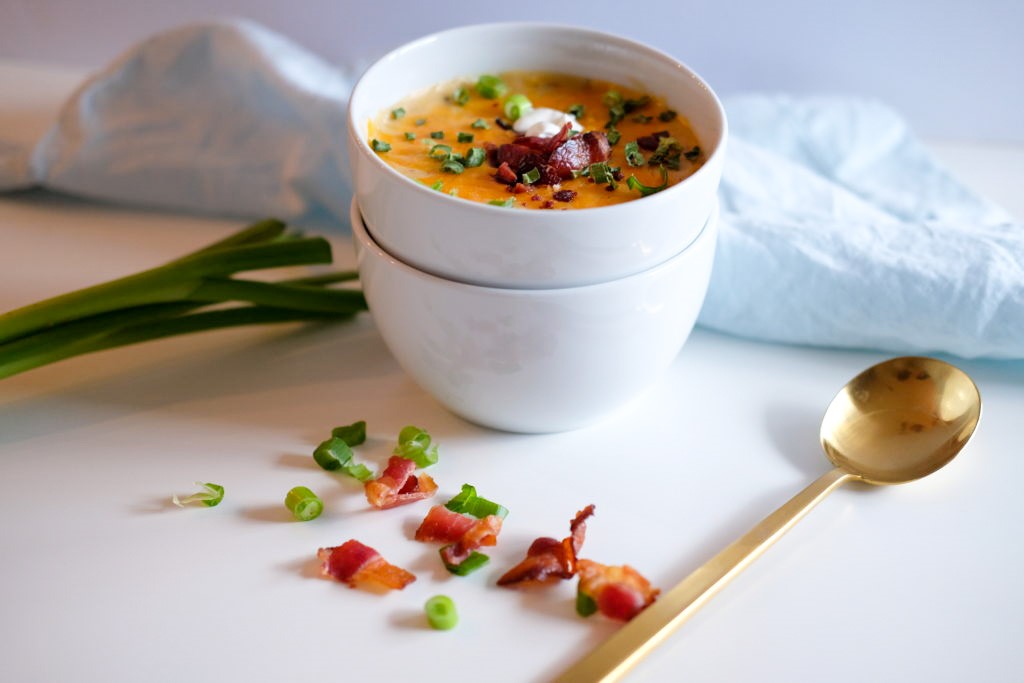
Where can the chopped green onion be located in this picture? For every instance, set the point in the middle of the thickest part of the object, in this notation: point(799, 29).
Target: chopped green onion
point(480, 124)
point(646, 190)
point(667, 115)
point(437, 134)
point(303, 503)
point(475, 157)
point(420, 122)
point(467, 566)
point(616, 108)
point(601, 173)
point(531, 176)
point(467, 502)
point(441, 614)
point(460, 96)
point(517, 105)
point(465, 137)
point(667, 154)
point(506, 203)
point(409, 135)
point(491, 87)
point(452, 166)
point(335, 454)
point(643, 118)
point(414, 444)
point(379, 146)
point(613, 135)
point(692, 154)
point(437, 185)
point(440, 151)
point(585, 605)
point(454, 192)
point(634, 157)
point(210, 496)
point(397, 113)
point(576, 110)
point(632, 105)
point(353, 434)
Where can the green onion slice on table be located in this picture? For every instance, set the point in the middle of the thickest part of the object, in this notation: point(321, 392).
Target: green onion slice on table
point(303, 504)
point(441, 614)
point(211, 495)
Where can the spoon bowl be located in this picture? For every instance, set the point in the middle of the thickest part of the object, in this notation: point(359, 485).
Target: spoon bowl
point(895, 422)
point(900, 420)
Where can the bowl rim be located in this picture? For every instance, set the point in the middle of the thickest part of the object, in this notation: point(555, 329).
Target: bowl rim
point(361, 233)
point(362, 146)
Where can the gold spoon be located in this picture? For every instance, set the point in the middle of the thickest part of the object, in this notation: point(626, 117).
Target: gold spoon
point(895, 422)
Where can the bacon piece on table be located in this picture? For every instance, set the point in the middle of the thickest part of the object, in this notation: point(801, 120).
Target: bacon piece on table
point(464, 533)
point(619, 592)
point(548, 559)
point(398, 485)
point(357, 564)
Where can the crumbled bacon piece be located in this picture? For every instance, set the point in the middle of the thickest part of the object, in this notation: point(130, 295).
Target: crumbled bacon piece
point(398, 485)
point(517, 188)
point(555, 158)
point(356, 564)
point(620, 592)
point(518, 157)
point(464, 533)
point(564, 195)
point(505, 174)
point(548, 559)
point(650, 142)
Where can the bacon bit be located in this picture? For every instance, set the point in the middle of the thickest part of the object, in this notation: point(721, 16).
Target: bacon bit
point(356, 564)
point(548, 205)
point(465, 533)
point(620, 592)
point(518, 188)
point(549, 560)
point(579, 152)
point(519, 157)
point(650, 142)
point(564, 195)
point(535, 197)
point(556, 157)
point(398, 485)
point(505, 174)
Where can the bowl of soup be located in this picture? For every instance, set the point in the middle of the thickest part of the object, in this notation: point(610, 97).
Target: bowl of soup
point(535, 360)
point(534, 155)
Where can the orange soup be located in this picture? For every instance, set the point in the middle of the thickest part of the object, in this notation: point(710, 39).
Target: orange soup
point(591, 142)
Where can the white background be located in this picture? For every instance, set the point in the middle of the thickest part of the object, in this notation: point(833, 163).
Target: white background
point(952, 67)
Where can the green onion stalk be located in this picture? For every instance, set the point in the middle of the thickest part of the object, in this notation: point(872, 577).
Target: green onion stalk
point(196, 292)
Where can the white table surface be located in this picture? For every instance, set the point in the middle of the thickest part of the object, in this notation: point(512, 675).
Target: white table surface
point(104, 580)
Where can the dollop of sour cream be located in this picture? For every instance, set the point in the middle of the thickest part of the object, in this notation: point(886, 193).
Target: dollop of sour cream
point(544, 122)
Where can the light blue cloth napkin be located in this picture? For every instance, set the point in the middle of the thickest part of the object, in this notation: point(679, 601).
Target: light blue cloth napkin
point(838, 229)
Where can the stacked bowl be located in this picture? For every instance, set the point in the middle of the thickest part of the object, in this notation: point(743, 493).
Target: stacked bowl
point(522, 320)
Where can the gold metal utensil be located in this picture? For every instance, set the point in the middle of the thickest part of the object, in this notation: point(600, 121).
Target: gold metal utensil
point(895, 422)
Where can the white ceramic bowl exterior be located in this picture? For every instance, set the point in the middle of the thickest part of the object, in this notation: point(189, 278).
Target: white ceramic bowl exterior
point(482, 244)
point(535, 360)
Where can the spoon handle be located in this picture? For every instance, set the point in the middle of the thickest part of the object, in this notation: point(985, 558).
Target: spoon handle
point(635, 640)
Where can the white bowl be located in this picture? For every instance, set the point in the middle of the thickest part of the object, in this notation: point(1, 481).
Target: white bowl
point(482, 244)
point(532, 360)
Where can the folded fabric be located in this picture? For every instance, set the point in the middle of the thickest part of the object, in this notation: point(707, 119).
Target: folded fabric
point(837, 227)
